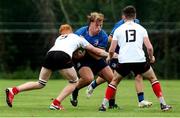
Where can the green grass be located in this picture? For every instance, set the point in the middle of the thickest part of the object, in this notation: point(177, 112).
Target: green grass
point(36, 103)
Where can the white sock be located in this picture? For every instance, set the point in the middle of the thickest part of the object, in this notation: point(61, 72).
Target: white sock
point(161, 99)
point(105, 102)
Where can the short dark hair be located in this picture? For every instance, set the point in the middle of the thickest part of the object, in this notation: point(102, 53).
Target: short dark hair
point(129, 11)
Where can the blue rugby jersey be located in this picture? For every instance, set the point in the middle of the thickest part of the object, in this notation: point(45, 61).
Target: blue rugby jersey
point(100, 40)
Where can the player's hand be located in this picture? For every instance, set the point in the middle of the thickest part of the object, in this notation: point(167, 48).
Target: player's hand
point(152, 60)
point(108, 59)
point(115, 56)
point(78, 54)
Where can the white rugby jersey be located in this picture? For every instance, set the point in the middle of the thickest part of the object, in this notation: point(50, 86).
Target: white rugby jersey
point(130, 38)
point(69, 43)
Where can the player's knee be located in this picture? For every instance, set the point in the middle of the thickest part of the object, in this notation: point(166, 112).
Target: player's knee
point(42, 83)
point(138, 77)
point(89, 79)
point(109, 80)
point(74, 81)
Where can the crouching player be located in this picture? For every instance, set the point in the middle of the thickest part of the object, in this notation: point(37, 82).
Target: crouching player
point(59, 57)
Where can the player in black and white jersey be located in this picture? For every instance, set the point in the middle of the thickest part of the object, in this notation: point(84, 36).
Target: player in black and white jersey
point(59, 57)
point(142, 103)
point(130, 37)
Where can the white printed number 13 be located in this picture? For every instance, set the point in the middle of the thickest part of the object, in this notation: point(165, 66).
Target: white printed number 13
point(130, 35)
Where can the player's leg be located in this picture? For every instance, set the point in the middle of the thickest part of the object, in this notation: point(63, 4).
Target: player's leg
point(86, 77)
point(107, 74)
point(43, 78)
point(110, 91)
point(150, 75)
point(140, 92)
point(113, 63)
point(71, 76)
point(93, 85)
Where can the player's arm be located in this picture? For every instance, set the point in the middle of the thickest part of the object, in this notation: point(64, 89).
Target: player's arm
point(79, 53)
point(149, 48)
point(96, 51)
point(112, 48)
point(110, 38)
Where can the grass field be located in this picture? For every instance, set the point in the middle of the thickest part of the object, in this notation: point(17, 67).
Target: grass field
point(36, 103)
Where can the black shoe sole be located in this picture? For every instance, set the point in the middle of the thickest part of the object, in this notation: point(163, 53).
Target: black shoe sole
point(7, 98)
point(74, 103)
point(102, 110)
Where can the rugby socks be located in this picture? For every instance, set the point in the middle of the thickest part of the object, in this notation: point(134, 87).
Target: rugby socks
point(56, 102)
point(75, 94)
point(111, 102)
point(15, 90)
point(105, 102)
point(158, 92)
point(140, 96)
point(110, 91)
point(94, 84)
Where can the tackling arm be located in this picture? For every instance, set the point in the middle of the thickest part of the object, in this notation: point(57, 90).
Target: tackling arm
point(96, 51)
point(112, 48)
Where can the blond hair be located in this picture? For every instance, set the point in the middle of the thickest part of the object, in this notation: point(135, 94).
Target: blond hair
point(65, 28)
point(95, 16)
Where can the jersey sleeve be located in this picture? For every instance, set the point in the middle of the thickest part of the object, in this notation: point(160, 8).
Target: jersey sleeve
point(144, 33)
point(116, 35)
point(84, 42)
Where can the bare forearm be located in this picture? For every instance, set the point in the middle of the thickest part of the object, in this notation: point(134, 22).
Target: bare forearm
point(99, 52)
point(111, 54)
point(103, 53)
point(150, 53)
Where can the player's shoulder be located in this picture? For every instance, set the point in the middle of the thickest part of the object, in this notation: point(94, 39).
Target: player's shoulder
point(73, 35)
point(119, 23)
point(82, 28)
point(121, 27)
point(103, 32)
point(140, 26)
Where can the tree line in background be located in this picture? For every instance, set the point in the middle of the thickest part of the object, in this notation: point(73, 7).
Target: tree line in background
point(28, 28)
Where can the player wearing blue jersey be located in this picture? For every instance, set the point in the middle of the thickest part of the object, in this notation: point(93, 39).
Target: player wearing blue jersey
point(113, 62)
point(90, 64)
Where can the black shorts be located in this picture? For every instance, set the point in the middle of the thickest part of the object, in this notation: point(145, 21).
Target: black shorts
point(88, 61)
point(137, 68)
point(113, 63)
point(56, 60)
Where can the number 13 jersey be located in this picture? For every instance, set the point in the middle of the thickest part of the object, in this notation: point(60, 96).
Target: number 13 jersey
point(130, 38)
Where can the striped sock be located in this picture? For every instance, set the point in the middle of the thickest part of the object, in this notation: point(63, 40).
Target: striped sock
point(56, 102)
point(158, 92)
point(94, 84)
point(15, 90)
point(110, 91)
point(140, 96)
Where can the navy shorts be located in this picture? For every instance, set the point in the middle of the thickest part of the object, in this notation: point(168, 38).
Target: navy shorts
point(56, 60)
point(113, 63)
point(137, 68)
point(88, 61)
